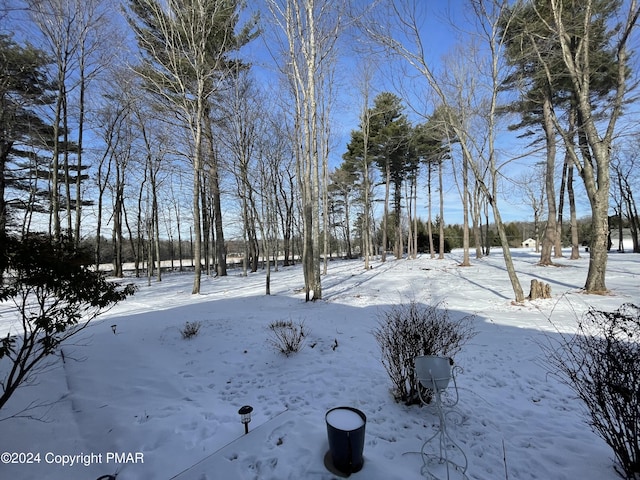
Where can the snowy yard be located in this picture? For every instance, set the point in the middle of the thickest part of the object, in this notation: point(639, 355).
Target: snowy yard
point(144, 403)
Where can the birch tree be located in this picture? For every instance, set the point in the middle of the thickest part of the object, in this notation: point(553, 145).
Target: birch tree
point(308, 31)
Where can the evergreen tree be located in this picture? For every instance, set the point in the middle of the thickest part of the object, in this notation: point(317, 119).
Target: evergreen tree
point(341, 189)
point(188, 48)
point(357, 164)
point(24, 135)
point(432, 145)
point(545, 85)
point(390, 147)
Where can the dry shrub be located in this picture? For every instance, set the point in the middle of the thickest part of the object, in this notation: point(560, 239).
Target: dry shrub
point(409, 330)
point(190, 330)
point(286, 336)
point(601, 364)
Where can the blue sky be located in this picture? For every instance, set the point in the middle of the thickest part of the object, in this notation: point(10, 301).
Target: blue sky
point(441, 37)
point(444, 24)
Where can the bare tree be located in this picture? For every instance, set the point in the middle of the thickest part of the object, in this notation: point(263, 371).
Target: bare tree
point(367, 183)
point(287, 187)
point(76, 36)
point(592, 155)
point(55, 19)
point(110, 122)
point(309, 30)
point(400, 19)
point(154, 152)
point(242, 129)
point(121, 160)
point(533, 193)
point(175, 189)
point(185, 47)
point(95, 38)
point(624, 168)
point(269, 178)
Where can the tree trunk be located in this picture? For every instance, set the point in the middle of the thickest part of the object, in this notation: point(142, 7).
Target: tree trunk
point(599, 248)
point(415, 217)
point(216, 202)
point(366, 227)
point(155, 216)
point(398, 242)
point(575, 242)
point(550, 231)
point(207, 220)
point(432, 252)
point(385, 214)
point(539, 290)
point(55, 167)
point(465, 211)
point(78, 186)
point(561, 195)
point(506, 252)
point(197, 232)
point(5, 147)
point(476, 221)
point(220, 247)
point(441, 226)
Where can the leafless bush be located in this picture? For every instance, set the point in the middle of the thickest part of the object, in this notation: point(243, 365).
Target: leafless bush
point(190, 329)
point(286, 336)
point(412, 329)
point(602, 365)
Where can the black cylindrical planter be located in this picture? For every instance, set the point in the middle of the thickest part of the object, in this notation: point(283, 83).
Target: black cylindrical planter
point(345, 429)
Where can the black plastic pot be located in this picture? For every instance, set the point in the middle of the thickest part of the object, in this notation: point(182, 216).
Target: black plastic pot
point(345, 430)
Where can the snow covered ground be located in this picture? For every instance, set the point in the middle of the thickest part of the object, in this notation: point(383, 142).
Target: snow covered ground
point(144, 403)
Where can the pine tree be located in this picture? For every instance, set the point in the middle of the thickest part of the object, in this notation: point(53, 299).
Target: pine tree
point(390, 149)
point(187, 47)
point(23, 133)
point(578, 48)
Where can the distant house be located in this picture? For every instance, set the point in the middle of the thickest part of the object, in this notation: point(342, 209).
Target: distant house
point(529, 243)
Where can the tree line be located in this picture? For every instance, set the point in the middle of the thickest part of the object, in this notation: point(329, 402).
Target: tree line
point(148, 119)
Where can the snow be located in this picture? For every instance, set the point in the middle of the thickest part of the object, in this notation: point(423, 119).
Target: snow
point(344, 419)
point(144, 403)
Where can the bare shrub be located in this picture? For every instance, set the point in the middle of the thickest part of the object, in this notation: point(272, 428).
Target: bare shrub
point(409, 330)
point(190, 329)
point(286, 336)
point(602, 365)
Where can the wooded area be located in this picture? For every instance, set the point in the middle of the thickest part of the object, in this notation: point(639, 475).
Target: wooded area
point(212, 127)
